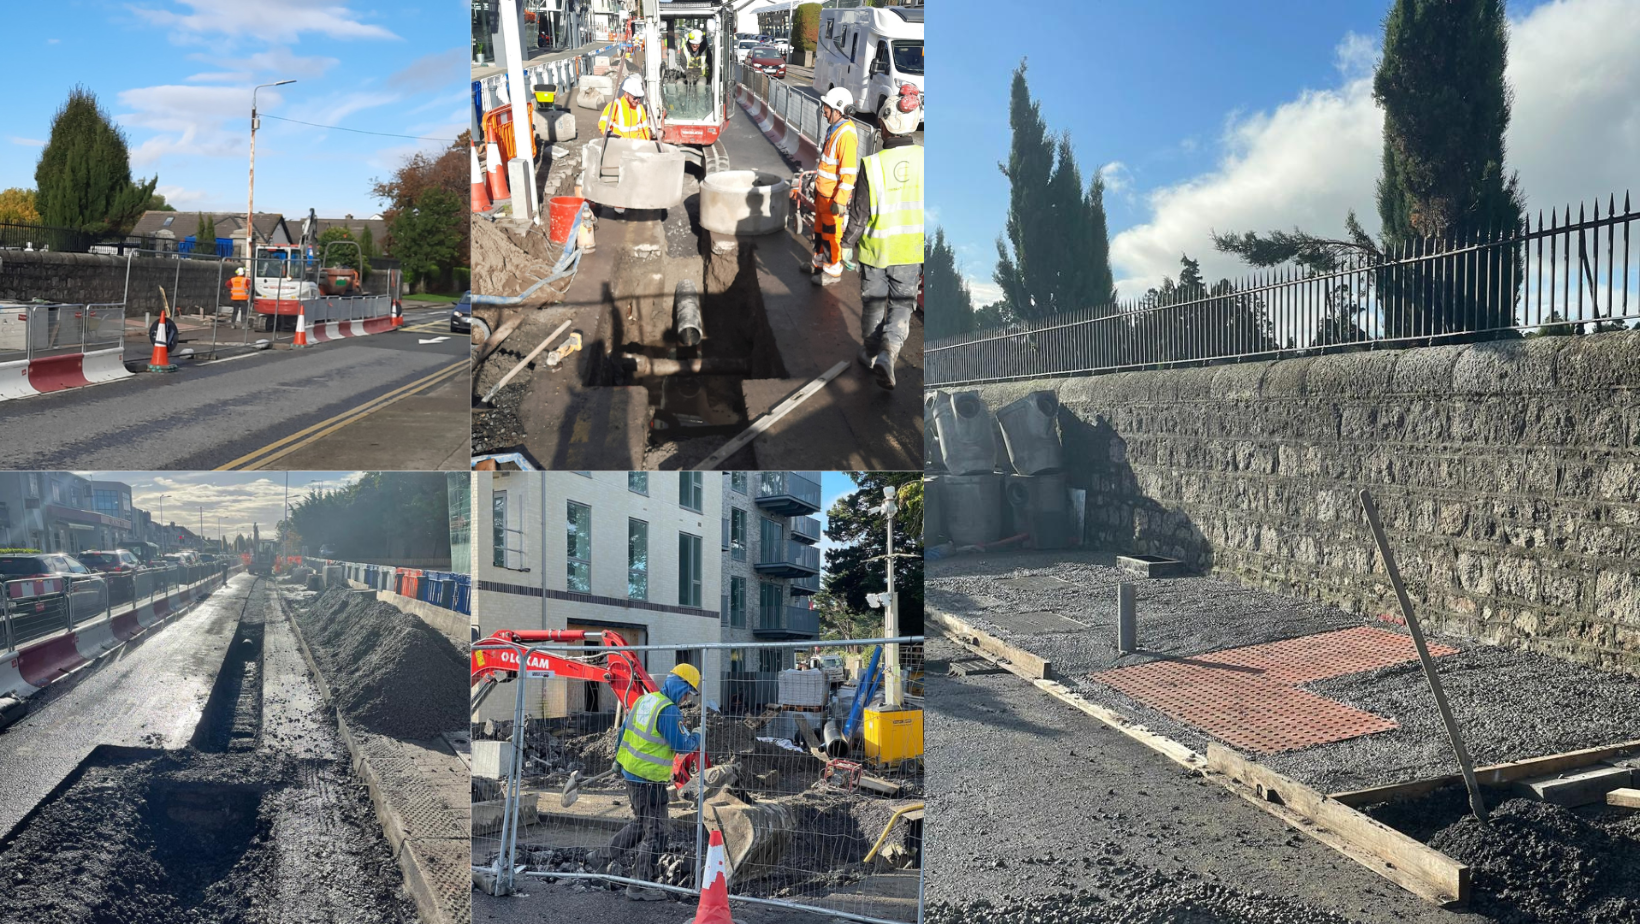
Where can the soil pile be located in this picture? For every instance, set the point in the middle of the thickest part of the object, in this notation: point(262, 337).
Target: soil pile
point(507, 263)
point(1537, 863)
point(391, 673)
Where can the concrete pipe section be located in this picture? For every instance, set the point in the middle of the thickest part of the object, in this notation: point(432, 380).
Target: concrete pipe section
point(744, 202)
point(633, 174)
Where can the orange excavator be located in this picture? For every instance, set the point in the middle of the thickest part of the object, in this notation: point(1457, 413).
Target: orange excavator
point(494, 661)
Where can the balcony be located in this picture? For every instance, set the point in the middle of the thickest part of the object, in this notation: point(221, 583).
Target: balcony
point(787, 622)
point(794, 561)
point(806, 586)
point(789, 493)
point(806, 530)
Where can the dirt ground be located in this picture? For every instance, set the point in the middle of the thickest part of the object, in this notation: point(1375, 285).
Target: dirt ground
point(563, 904)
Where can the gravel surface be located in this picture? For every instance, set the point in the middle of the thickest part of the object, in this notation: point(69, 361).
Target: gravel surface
point(540, 903)
point(1047, 815)
point(390, 673)
point(1509, 704)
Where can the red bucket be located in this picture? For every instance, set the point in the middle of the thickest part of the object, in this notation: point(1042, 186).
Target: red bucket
point(561, 216)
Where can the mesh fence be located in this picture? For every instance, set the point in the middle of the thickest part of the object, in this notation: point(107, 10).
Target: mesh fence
point(36, 608)
point(30, 332)
point(812, 779)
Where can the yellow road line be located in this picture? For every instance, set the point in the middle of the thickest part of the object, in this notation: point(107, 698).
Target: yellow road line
point(340, 420)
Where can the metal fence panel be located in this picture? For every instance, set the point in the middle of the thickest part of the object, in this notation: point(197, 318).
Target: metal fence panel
point(1521, 282)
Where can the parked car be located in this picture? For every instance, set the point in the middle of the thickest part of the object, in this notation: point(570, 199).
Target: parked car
point(835, 668)
point(743, 48)
point(461, 314)
point(118, 567)
point(146, 552)
point(769, 60)
point(42, 582)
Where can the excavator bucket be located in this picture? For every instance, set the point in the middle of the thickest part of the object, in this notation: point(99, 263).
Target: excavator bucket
point(754, 835)
point(632, 174)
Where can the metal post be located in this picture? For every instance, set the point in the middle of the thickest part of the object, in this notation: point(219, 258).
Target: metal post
point(1127, 629)
point(524, 206)
point(1476, 803)
point(894, 691)
point(700, 789)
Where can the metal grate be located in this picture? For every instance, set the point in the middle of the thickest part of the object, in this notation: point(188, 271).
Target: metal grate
point(1249, 697)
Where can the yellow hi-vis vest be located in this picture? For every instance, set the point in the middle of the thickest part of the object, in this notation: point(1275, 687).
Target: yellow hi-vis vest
point(839, 162)
point(629, 121)
point(893, 234)
point(644, 753)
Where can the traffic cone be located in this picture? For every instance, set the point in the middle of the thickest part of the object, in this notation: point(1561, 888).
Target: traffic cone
point(498, 171)
point(714, 892)
point(481, 195)
point(398, 313)
point(161, 360)
point(301, 328)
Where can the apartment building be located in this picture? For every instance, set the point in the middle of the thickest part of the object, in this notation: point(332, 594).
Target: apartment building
point(63, 512)
point(634, 552)
point(771, 565)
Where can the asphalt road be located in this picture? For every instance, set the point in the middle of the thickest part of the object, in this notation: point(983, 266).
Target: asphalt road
point(245, 410)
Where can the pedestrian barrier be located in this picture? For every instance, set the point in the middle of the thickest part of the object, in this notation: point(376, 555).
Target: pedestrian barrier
point(444, 589)
point(335, 317)
point(46, 348)
point(50, 626)
point(811, 796)
point(791, 120)
point(489, 92)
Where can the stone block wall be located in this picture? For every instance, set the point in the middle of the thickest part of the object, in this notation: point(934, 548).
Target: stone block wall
point(1507, 475)
point(88, 278)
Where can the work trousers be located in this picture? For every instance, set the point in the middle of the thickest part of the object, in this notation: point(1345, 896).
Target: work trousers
point(647, 829)
point(888, 295)
point(828, 230)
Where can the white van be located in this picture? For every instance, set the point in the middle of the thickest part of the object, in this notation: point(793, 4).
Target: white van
point(871, 52)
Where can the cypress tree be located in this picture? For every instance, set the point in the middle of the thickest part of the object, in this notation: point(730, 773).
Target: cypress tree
point(949, 306)
point(205, 235)
point(84, 174)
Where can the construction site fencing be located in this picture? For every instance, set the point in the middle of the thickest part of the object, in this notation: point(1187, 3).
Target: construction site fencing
point(346, 307)
point(35, 608)
point(450, 590)
point(800, 110)
point(807, 823)
point(1563, 276)
point(30, 332)
point(562, 71)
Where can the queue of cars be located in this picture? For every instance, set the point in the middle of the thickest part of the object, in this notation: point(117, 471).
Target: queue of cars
point(42, 592)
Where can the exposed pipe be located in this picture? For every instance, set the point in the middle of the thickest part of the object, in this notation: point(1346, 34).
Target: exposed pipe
point(836, 744)
point(701, 365)
point(686, 313)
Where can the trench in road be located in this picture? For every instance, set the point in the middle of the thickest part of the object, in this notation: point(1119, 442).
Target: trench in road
point(259, 819)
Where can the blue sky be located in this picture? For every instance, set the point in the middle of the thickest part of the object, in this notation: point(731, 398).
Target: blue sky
point(177, 76)
point(239, 498)
point(1210, 116)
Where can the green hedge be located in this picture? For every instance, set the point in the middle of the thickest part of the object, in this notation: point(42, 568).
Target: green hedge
point(806, 27)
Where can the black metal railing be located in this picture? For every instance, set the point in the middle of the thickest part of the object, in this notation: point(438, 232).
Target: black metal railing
point(43, 237)
point(1565, 276)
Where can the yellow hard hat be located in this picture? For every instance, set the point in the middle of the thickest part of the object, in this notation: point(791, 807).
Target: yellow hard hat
point(689, 674)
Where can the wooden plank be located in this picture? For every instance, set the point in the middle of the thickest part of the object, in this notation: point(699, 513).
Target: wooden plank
point(1625, 798)
point(1408, 863)
point(1495, 775)
point(1581, 787)
point(972, 639)
point(1033, 667)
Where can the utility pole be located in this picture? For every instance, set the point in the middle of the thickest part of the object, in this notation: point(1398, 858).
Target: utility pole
point(894, 691)
point(162, 529)
point(250, 202)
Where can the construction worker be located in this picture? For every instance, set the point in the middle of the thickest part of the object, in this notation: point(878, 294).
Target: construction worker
point(625, 116)
point(695, 62)
point(651, 736)
point(834, 184)
point(885, 226)
point(239, 292)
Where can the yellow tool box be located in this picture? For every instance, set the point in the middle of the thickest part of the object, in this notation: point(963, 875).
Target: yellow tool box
point(893, 736)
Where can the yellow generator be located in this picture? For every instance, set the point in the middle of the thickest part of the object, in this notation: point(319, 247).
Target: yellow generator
point(893, 737)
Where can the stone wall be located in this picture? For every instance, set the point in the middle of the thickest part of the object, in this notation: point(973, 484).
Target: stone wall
point(1507, 475)
point(87, 278)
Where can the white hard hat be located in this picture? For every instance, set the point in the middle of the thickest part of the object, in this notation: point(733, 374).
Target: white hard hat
point(901, 114)
point(838, 99)
point(694, 36)
point(633, 85)
point(240, 271)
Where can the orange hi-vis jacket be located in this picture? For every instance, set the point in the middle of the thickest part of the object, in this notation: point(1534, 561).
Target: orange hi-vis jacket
point(624, 120)
point(240, 288)
point(839, 163)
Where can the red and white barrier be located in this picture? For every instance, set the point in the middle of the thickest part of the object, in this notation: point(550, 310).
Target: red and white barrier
point(780, 133)
point(45, 374)
point(27, 670)
point(337, 330)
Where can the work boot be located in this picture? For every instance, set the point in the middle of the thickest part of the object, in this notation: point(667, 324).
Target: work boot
point(868, 351)
point(829, 275)
point(639, 893)
point(883, 369)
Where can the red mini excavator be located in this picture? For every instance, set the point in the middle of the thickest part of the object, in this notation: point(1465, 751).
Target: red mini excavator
point(495, 661)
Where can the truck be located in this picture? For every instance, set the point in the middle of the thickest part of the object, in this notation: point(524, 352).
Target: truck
point(833, 666)
point(870, 52)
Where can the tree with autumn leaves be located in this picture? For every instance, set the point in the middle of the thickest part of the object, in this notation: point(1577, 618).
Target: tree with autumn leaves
point(427, 223)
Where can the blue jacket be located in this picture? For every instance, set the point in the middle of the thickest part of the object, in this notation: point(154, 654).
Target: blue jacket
point(669, 723)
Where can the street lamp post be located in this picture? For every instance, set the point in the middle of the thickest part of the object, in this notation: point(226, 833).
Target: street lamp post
point(250, 203)
point(894, 691)
point(162, 530)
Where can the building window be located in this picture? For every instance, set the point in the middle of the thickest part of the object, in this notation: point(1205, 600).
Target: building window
point(498, 536)
point(689, 491)
point(689, 568)
point(771, 660)
point(737, 602)
point(684, 656)
point(737, 481)
point(637, 559)
point(737, 660)
point(638, 483)
point(774, 541)
point(737, 534)
point(769, 602)
point(579, 536)
point(33, 484)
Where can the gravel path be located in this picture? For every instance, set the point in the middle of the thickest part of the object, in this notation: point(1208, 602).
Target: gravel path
point(1049, 816)
point(1510, 704)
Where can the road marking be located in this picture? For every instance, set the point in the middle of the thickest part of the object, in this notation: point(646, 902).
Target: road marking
point(439, 324)
point(229, 359)
point(280, 448)
point(433, 340)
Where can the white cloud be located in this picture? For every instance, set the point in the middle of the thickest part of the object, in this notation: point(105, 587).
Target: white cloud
point(279, 62)
point(184, 199)
point(431, 72)
point(27, 142)
point(269, 20)
point(188, 120)
point(219, 77)
point(984, 291)
point(1575, 134)
point(1117, 177)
